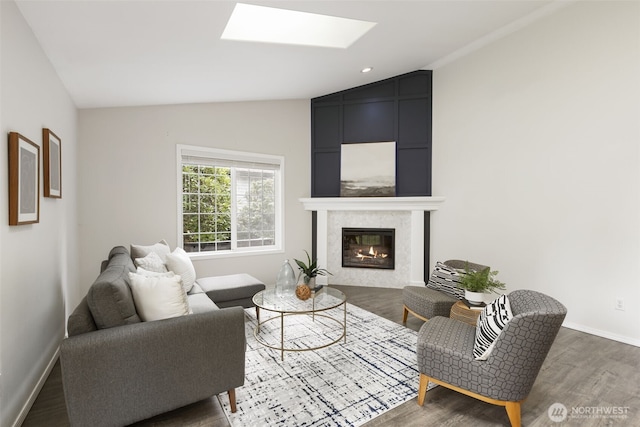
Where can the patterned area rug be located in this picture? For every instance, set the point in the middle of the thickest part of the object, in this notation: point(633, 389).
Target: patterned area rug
point(345, 384)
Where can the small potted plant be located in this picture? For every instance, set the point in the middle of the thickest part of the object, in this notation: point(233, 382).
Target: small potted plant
point(309, 271)
point(478, 283)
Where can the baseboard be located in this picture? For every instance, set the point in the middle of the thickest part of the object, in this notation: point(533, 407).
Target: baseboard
point(34, 394)
point(603, 334)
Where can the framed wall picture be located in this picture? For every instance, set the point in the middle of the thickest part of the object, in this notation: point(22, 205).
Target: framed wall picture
point(368, 169)
point(52, 153)
point(24, 180)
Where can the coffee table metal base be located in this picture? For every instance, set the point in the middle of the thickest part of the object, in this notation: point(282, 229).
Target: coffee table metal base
point(282, 348)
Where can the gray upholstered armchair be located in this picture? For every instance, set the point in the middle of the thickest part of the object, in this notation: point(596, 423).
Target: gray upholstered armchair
point(440, 293)
point(445, 353)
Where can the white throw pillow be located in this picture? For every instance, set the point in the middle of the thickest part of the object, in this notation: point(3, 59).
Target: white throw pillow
point(141, 271)
point(493, 318)
point(158, 297)
point(151, 262)
point(161, 248)
point(179, 262)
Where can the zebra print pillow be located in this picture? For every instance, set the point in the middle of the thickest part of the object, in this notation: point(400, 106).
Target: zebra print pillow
point(492, 320)
point(446, 279)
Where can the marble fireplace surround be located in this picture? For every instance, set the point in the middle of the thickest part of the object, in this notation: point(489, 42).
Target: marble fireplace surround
point(405, 214)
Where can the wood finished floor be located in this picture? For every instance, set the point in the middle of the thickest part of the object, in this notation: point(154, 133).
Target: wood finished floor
point(581, 370)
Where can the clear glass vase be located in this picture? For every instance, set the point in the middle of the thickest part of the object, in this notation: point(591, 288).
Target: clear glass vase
point(285, 280)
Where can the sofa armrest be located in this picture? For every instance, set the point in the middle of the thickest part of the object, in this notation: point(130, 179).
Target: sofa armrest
point(128, 373)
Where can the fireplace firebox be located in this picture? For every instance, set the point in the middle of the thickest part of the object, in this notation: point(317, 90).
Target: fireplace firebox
point(368, 248)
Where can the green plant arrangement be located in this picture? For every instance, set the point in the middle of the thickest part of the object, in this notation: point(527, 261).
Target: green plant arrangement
point(310, 269)
point(482, 281)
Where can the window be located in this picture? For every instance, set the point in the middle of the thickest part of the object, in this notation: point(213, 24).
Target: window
point(229, 201)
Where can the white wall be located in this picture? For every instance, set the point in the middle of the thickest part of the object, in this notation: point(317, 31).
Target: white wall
point(127, 174)
point(38, 262)
point(536, 144)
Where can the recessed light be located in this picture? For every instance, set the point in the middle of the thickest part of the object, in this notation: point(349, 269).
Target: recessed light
point(366, 69)
point(271, 25)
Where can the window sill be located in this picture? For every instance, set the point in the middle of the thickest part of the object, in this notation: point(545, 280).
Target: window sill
point(196, 256)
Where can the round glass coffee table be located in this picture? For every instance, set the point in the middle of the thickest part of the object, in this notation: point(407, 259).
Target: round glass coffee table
point(318, 306)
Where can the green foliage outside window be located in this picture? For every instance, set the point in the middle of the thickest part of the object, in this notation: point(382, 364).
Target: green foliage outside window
point(206, 205)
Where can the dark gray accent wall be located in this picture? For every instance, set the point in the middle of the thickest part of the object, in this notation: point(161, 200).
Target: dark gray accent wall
point(396, 109)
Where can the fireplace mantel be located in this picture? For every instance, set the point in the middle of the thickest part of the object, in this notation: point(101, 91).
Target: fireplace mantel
point(417, 206)
point(372, 203)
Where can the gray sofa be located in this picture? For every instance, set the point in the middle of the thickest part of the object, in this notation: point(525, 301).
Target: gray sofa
point(117, 370)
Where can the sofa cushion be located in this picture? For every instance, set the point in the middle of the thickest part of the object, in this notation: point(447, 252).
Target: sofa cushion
point(196, 289)
point(158, 297)
point(200, 303)
point(109, 297)
point(230, 287)
point(161, 248)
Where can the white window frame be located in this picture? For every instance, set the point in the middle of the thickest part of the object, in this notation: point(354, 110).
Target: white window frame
point(239, 156)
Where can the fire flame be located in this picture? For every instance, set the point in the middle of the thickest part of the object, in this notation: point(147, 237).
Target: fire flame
point(371, 254)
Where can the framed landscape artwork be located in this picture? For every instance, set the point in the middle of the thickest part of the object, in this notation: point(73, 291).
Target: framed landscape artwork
point(52, 164)
point(24, 180)
point(368, 169)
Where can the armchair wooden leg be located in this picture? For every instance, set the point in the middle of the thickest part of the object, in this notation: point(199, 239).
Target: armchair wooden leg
point(405, 314)
point(258, 313)
point(422, 389)
point(513, 411)
point(232, 400)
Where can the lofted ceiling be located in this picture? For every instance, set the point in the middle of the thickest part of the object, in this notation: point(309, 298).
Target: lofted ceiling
point(149, 52)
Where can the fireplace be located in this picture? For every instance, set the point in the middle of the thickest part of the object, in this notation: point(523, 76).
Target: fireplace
point(408, 216)
point(368, 248)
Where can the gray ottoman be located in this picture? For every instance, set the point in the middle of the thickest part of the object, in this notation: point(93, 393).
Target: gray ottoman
point(425, 303)
point(231, 290)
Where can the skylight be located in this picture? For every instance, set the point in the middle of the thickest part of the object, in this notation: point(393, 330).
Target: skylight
point(271, 25)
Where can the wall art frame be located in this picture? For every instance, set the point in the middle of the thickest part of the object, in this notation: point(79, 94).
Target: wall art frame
point(52, 161)
point(24, 180)
point(368, 169)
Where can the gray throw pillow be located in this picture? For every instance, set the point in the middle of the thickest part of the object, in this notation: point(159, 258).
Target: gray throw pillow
point(161, 248)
